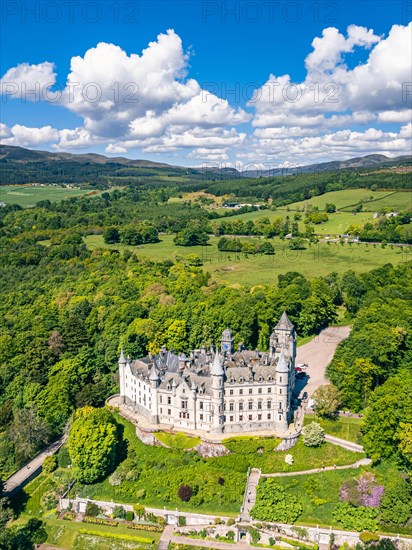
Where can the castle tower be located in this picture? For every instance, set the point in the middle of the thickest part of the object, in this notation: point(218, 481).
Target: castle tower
point(273, 342)
point(154, 380)
point(282, 389)
point(226, 343)
point(122, 375)
point(217, 374)
point(286, 335)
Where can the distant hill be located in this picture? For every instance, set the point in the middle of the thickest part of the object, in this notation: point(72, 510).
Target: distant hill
point(20, 154)
point(19, 165)
point(368, 161)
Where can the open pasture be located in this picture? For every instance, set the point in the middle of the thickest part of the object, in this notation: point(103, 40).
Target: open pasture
point(250, 270)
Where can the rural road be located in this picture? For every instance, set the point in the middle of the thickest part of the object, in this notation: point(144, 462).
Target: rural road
point(22, 476)
point(317, 354)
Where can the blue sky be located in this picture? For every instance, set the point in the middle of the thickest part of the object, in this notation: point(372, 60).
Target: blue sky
point(187, 100)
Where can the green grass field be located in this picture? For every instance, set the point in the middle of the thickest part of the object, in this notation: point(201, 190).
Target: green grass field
point(177, 440)
point(65, 534)
point(343, 199)
point(348, 428)
point(26, 195)
point(236, 268)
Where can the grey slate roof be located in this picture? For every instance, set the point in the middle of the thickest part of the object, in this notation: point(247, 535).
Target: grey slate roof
point(284, 323)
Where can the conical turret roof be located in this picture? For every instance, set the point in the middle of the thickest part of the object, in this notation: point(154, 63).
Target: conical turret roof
point(217, 369)
point(284, 323)
point(282, 365)
point(154, 375)
point(122, 358)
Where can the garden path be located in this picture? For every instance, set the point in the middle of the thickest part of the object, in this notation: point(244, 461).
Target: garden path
point(361, 462)
point(250, 494)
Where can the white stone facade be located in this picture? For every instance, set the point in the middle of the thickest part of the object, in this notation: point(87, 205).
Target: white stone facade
point(226, 391)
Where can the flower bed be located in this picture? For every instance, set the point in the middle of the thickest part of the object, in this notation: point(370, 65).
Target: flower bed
point(142, 540)
point(140, 527)
point(98, 521)
point(69, 516)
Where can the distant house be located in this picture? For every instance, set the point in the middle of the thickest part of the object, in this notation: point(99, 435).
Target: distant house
point(391, 214)
point(377, 215)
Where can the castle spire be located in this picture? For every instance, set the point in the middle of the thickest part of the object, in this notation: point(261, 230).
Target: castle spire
point(284, 323)
point(217, 369)
point(122, 358)
point(282, 365)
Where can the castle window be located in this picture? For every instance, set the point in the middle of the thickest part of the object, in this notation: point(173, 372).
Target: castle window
point(169, 400)
point(280, 379)
point(240, 392)
point(250, 417)
point(260, 379)
point(270, 379)
point(201, 417)
point(268, 416)
point(280, 391)
point(183, 390)
point(259, 417)
point(269, 404)
point(250, 391)
point(184, 404)
point(269, 390)
point(231, 418)
point(280, 405)
point(250, 405)
point(232, 380)
point(259, 390)
point(160, 399)
point(161, 410)
point(231, 406)
point(240, 406)
point(169, 387)
point(201, 405)
point(280, 417)
point(169, 412)
point(240, 418)
point(241, 379)
point(259, 405)
point(230, 392)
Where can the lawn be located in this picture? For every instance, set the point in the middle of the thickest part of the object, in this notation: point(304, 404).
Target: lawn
point(65, 534)
point(26, 195)
point(348, 428)
point(177, 440)
point(237, 268)
point(398, 200)
point(218, 483)
point(345, 198)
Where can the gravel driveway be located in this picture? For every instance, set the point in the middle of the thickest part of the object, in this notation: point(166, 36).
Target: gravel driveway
point(317, 354)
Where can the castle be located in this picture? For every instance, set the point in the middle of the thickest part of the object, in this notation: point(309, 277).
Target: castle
point(216, 391)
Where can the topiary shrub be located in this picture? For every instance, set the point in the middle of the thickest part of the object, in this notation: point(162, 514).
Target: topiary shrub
point(92, 510)
point(185, 493)
point(367, 537)
point(129, 515)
